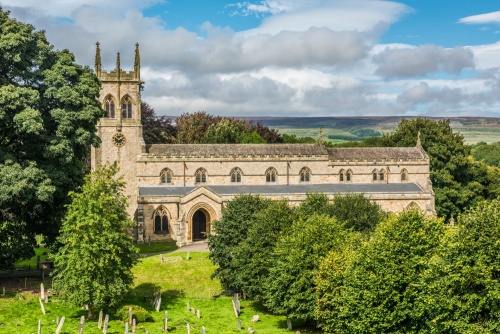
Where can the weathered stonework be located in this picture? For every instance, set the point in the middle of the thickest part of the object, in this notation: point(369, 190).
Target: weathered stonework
point(180, 208)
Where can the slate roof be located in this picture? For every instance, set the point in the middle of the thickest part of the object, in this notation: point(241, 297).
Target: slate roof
point(221, 150)
point(366, 188)
point(375, 153)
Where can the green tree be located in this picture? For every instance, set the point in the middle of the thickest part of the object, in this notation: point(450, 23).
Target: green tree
point(156, 129)
point(289, 289)
point(382, 288)
point(94, 263)
point(191, 128)
point(357, 212)
point(253, 256)
point(453, 175)
point(489, 153)
point(226, 131)
point(465, 280)
point(48, 116)
point(229, 232)
point(315, 203)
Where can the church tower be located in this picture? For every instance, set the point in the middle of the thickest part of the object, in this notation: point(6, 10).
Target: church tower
point(120, 129)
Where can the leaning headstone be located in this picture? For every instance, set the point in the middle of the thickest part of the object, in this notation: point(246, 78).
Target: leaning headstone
point(41, 305)
point(188, 328)
point(203, 330)
point(105, 326)
point(255, 318)
point(42, 292)
point(82, 322)
point(198, 315)
point(99, 323)
point(59, 327)
point(289, 324)
point(39, 326)
point(130, 315)
point(239, 324)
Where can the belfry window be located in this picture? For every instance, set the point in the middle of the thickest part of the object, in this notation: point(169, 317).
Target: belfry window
point(166, 176)
point(127, 107)
point(160, 219)
point(109, 107)
point(305, 174)
point(201, 175)
point(271, 174)
point(236, 175)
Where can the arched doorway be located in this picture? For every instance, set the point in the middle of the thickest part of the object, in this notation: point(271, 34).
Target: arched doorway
point(200, 220)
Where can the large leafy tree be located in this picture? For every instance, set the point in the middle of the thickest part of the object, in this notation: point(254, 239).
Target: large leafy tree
point(357, 212)
point(94, 263)
point(48, 113)
point(379, 290)
point(290, 286)
point(253, 257)
point(464, 293)
point(156, 129)
point(229, 232)
point(457, 182)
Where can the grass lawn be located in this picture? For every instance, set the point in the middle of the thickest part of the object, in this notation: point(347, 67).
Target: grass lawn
point(157, 247)
point(179, 282)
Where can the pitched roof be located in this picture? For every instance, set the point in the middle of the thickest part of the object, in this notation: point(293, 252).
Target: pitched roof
point(221, 150)
point(375, 153)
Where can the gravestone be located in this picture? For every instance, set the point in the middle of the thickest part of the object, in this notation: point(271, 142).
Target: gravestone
point(187, 256)
point(59, 327)
point(57, 320)
point(41, 305)
point(42, 292)
point(255, 318)
point(39, 326)
point(251, 330)
point(188, 328)
point(165, 322)
point(198, 315)
point(133, 326)
point(158, 303)
point(130, 315)
point(126, 327)
point(203, 330)
point(239, 324)
point(193, 310)
point(99, 323)
point(82, 322)
point(105, 326)
point(289, 324)
point(188, 307)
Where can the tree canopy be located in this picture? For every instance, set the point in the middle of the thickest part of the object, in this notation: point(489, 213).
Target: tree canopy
point(156, 129)
point(94, 263)
point(48, 116)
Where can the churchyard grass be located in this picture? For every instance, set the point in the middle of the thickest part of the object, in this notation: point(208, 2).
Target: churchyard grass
point(156, 247)
point(180, 282)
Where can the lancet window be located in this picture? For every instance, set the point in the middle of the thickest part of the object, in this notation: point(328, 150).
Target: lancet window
point(271, 175)
point(201, 175)
point(109, 107)
point(236, 175)
point(127, 107)
point(305, 175)
point(160, 219)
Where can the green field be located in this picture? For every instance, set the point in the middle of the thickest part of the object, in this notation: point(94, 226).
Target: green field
point(179, 282)
point(474, 129)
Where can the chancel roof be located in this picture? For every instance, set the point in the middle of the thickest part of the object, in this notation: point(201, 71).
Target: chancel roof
point(375, 153)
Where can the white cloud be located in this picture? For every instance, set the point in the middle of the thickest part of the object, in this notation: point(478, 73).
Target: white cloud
point(493, 17)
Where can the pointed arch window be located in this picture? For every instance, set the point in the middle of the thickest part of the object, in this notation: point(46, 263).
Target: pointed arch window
point(201, 175)
point(109, 106)
point(341, 175)
point(348, 176)
point(381, 175)
point(271, 175)
point(127, 107)
point(305, 175)
point(160, 220)
point(166, 176)
point(404, 175)
point(374, 176)
point(236, 175)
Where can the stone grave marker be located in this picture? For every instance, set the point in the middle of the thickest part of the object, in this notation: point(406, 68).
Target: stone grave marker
point(3, 290)
point(99, 322)
point(289, 324)
point(198, 315)
point(203, 330)
point(57, 320)
point(59, 327)
point(188, 307)
point(133, 326)
point(41, 305)
point(255, 318)
point(251, 330)
point(187, 256)
point(82, 322)
point(39, 326)
point(165, 322)
point(126, 327)
point(239, 324)
point(105, 326)
point(188, 328)
point(130, 315)
point(42, 292)
point(158, 304)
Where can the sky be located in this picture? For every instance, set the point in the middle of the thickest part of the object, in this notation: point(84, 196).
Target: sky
point(290, 57)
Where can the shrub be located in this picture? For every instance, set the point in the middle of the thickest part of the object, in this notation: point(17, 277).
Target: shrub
point(139, 313)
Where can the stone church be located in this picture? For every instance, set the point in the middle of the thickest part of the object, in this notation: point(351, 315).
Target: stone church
point(176, 191)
